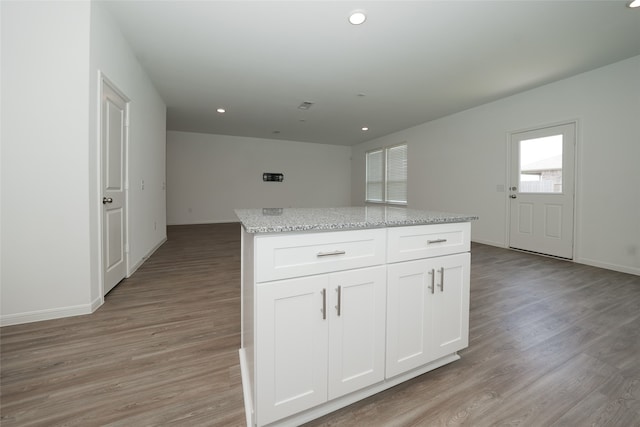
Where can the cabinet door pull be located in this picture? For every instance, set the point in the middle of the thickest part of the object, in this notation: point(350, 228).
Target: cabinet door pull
point(429, 242)
point(339, 306)
point(332, 253)
point(324, 304)
point(432, 288)
point(441, 271)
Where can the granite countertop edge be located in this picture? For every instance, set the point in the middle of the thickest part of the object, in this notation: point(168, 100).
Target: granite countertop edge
point(428, 217)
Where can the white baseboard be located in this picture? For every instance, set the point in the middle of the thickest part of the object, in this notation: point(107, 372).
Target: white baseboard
point(146, 257)
point(47, 314)
point(489, 242)
point(57, 313)
point(222, 221)
point(578, 260)
point(246, 388)
point(608, 266)
point(97, 303)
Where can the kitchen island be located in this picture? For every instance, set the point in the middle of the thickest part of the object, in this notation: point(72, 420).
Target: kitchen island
point(342, 303)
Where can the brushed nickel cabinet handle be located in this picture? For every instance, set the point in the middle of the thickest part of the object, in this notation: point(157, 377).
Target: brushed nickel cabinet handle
point(441, 271)
point(324, 304)
point(332, 253)
point(430, 242)
point(339, 306)
point(432, 288)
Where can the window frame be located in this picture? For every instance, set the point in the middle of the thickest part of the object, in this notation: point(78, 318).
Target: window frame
point(385, 175)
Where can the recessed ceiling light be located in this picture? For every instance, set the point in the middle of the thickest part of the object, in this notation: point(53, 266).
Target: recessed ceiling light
point(634, 3)
point(365, 128)
point(221, 110)
point(357, 17)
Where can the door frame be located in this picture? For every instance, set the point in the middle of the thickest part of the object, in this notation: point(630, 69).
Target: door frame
point(104, 80)
point(576, 182)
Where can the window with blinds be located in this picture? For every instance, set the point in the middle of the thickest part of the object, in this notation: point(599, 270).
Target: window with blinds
point(387, 175)
point(375, 176)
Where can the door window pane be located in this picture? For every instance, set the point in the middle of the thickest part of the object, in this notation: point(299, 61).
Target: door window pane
point(541, 165)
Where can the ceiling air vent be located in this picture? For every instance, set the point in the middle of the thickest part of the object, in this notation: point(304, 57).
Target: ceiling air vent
point(305, 105)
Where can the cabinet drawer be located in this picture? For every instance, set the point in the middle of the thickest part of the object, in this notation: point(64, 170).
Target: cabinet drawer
point(424, 241)
point(296, 255)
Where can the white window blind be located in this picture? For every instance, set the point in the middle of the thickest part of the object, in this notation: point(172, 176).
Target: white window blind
point(387, 175)
point(397, 174)
point(375, 176)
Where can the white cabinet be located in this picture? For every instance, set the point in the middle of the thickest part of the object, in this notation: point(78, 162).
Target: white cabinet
point(296, 255)
point(318, 338)
point(426, 241)
point(291, 344)
point(427, 311)
point(329, 318)
point(450, 313)
point(356, 329)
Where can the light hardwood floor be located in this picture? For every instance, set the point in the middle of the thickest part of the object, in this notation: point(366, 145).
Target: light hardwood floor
point(552, 344)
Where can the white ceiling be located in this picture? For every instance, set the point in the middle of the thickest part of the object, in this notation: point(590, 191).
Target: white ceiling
point(414, 61)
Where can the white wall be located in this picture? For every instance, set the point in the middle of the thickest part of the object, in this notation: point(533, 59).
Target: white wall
point(210, 175)
point(51, 52)
point(45, 123)
point(457, 162)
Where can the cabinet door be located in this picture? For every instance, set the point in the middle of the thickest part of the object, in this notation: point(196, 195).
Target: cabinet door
point(450, 331)
point(356, 329)
point(292, 334)
point(427, 311)
point(409, 298)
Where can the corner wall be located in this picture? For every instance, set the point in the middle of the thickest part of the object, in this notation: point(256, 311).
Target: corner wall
point(208, 176)
point(50, 197)
point(45, 121)
point(457, 163)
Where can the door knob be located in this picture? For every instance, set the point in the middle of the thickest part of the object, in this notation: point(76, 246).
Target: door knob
point(513, 196)
point(106, 200)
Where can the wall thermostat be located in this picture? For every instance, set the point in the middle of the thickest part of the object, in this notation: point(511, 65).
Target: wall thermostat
point(272, 177)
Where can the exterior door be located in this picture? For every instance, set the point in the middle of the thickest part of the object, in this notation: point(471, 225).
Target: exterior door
point(113, 140)
point(541, 190)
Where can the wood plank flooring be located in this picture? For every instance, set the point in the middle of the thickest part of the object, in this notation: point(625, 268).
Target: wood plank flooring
point(552, 343)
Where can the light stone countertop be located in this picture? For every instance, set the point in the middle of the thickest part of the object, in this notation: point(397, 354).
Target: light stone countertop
point(278, 220)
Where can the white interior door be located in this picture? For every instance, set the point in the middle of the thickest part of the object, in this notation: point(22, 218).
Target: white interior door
point(541, 190)
point(113, 141)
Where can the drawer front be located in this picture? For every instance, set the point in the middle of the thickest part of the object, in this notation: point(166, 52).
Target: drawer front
point(425, 241)
point(296, 255)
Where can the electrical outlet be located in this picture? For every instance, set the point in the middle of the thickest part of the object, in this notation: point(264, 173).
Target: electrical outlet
point(142, 184)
